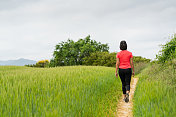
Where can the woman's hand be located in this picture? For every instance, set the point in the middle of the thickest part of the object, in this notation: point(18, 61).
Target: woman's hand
point(116, 74)
point(133, 73)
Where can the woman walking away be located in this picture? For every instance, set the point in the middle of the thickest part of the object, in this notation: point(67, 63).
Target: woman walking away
point(123, 67)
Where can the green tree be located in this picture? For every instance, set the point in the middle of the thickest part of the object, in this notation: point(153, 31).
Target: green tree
point(168, 51)
point(72, 53)
point(138, 59)
point(101, 59)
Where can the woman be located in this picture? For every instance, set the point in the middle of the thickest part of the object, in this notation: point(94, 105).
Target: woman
point(123, 65)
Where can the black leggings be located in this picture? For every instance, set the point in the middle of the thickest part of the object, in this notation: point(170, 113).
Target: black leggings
point(125, 76)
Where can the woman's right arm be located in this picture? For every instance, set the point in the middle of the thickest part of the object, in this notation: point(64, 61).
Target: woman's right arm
point(132, 65)
point(117, 67)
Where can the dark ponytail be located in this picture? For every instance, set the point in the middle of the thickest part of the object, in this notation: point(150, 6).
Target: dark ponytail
point(123, 45)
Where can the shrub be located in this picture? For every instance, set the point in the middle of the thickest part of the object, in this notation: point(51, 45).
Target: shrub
point(168, 51)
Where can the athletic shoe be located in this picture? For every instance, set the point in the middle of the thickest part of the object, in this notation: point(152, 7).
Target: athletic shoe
point(124, 99)
point(127, 97)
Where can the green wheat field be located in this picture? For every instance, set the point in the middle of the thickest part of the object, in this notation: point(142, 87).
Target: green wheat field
point(61, 91)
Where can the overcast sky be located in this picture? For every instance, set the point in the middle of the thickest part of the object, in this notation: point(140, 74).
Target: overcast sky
point(31, 29)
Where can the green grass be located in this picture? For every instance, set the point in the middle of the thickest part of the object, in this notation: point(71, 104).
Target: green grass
point(63, 91)
point(139, 66)
point(155, 94)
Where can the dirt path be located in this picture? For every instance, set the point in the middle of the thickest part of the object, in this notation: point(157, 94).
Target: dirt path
point(125, 109)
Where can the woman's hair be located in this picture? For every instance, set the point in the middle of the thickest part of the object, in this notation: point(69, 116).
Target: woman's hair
point(123, 45)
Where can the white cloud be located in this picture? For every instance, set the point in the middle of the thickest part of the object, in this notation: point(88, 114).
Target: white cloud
point(31, 29)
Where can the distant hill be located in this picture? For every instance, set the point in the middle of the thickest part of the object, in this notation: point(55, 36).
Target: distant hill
point(18, 62)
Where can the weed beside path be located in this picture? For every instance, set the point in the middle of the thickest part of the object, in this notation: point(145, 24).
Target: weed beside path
point(155, 92)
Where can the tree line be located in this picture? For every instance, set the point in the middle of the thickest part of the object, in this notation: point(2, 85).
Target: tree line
point(83, 52)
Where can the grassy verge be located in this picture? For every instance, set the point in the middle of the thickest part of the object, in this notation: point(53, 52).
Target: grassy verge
point(140, 66)
point(63, 91)
point(155, 94)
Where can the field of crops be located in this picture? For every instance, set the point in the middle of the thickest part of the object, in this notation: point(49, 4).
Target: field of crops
point(155, 92)
point(62, 91)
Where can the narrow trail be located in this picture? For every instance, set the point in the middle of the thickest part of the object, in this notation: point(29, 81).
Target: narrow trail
point(125, 109)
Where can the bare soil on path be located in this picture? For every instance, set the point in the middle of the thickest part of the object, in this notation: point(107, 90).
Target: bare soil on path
point(126, 109)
